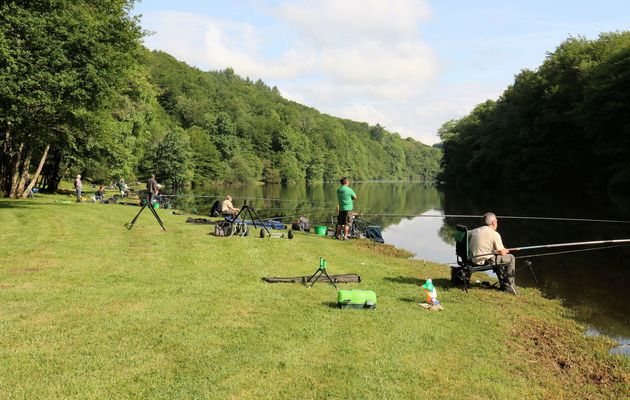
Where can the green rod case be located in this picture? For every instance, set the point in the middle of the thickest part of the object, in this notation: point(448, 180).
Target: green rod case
point(356, 299)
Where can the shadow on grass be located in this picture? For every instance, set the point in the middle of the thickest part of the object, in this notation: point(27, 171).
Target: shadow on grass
point(331, 304)
point(12, 203)
point(408, 299)
point(408, 280)
point(441, 283)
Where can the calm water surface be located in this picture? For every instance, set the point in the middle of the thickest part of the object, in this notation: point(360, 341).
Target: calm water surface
point(593, 284)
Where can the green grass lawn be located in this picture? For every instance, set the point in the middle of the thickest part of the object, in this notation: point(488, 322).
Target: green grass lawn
point(91, 310)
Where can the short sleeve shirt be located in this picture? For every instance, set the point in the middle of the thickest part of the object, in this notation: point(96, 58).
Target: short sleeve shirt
point(484, 240)
point(226, 206)
point(344, 195)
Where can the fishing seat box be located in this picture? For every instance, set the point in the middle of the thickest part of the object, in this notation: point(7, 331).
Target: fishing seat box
point(223, 228)
point(356, 299)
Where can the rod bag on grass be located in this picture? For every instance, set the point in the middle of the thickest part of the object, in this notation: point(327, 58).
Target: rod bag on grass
point(345, 278)
point(269, 223)
point(356, 299)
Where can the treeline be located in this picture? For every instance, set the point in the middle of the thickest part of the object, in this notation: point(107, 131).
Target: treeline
point(79, 94)
point(232, 129)
point(69, 90)
point(563, 126)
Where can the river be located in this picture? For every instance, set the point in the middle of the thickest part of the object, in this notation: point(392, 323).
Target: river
point(593, 284)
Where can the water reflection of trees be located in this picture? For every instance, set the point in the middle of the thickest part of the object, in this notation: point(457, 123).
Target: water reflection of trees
point(318, 202)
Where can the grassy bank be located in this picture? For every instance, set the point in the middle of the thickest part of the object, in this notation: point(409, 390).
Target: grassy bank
point(89, 309)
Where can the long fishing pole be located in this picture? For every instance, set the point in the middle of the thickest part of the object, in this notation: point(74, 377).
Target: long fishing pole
point(554, 253)
point(549, 246)
point(501, 217)
point(411, 215)
point(216, 196)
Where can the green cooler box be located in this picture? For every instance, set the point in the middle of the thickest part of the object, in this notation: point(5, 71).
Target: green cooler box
point(356, 299)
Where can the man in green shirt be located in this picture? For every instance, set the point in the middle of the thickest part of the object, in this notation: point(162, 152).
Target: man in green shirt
point(345, 195)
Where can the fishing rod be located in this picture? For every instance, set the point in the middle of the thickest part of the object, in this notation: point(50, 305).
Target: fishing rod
point(549, 246)
point(411, 215)
point(320, 210)
point(216, 196)
point(573, 251)
point(555, 245)
point(501, 217)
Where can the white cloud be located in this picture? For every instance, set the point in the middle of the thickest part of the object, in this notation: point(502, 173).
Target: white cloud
point(363, 112)
point(335, 22)
point(358, 59)
point(214, 44)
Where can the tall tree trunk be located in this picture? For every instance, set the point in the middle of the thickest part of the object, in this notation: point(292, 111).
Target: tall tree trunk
point(16, 171)
point(5, 160)
point(25, 173)
point(53, 177)
point(42, 161)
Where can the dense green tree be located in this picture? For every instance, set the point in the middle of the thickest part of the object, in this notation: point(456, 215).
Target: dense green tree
point(63, 66)
point(271, 174)
point(565, 125)
point(80, 95)
point(315, 169)
point(247, 117)
point(170, 159)
point(290, 171)
point(240, 170)
point(206, 158)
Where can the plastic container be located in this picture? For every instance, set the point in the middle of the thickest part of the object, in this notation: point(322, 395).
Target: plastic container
point(321, 230)
point(430, 293)
point(156, 205)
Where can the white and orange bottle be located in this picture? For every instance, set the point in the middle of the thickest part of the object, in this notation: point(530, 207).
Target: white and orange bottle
point(429, 292)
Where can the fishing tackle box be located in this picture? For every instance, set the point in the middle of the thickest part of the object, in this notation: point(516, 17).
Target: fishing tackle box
point(356, 299)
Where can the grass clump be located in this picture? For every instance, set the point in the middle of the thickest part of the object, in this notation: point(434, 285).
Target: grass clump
point(91, 310)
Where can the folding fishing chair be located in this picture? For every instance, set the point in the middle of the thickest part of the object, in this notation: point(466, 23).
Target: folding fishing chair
point(461, 272)
point(360, 228)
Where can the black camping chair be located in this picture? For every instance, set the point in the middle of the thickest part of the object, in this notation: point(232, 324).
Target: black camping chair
point(461, 272)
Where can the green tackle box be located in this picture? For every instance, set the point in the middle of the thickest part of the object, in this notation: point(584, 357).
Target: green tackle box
point(356, 299)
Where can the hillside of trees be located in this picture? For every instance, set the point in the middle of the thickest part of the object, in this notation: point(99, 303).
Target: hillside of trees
point(240, 130)
point(80, 94)
point(564, 126)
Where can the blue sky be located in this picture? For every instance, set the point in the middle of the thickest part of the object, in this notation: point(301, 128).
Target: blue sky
point(409, 65)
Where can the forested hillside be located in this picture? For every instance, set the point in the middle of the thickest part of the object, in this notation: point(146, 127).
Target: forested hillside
point(239, 130)
point(565, 125)
point(79, 94)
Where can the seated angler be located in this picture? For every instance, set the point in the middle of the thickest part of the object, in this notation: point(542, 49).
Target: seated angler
point(486, 248)
point(227, 209)
point(100, 194)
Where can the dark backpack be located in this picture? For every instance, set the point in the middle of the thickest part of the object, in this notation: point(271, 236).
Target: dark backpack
point(215, 210)
point(302, 224)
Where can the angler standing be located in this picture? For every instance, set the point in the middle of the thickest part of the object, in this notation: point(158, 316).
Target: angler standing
point(153, 188)
point(486, 241)
point(345, 195)
point(78, 185)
